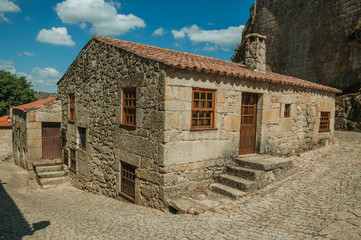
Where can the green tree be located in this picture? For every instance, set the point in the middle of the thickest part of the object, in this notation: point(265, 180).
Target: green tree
point(14, 91)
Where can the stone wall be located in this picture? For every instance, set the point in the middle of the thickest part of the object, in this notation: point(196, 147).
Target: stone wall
point(19, 139)
point(6, 145)
point(348, 112)
point(309, 39)
point(97, 77)
point(193, 158)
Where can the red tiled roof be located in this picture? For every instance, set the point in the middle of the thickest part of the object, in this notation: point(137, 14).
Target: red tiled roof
point(189, 61)
point(35, 105)
point(4, 121)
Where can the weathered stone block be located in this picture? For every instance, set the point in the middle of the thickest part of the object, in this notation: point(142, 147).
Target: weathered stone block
point(232, 123)
point(34, 133)
point(35, 153)
point(271, 117)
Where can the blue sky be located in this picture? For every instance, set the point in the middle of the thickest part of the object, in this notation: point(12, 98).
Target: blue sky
point(40, 38)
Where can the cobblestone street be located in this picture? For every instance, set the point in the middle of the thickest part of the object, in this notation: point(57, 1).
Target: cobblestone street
point(322, 200)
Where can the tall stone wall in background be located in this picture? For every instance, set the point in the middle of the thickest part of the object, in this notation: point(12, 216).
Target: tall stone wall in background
point(310, 39)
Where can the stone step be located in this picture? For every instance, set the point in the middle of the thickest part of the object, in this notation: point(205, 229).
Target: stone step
point(237, 182)
point(47, 162)
point(263, 162)
point(51, 174)
point(245, 173)
point(54, 168)
point(227, 191)
point(52, 181)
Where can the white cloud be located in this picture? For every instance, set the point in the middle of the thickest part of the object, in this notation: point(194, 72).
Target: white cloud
point(103, 15)
point(210, 48)
point(30, 54)
point(7, 6)
point(43, 79)
point(8, 66)
point(56, 36)
point(82, 25)
point(159, 32)
point(178, 34)
point(221, 37)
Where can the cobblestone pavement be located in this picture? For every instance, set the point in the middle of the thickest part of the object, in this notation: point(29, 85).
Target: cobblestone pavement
point(322, 200)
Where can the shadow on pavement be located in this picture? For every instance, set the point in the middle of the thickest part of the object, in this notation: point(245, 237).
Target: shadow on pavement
point(13, 225)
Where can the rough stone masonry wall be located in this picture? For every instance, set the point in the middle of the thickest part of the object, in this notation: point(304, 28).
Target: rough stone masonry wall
point(97, 78)
point(19, 138)
point(193, 158)
point(308, 39)
point(6, 145)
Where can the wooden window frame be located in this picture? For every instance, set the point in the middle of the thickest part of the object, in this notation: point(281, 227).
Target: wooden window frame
point(72, 165)
point(201, 109)
point(128, 181)
point(127, 107)
point(287, 111)
point(81, 143)
point(325, 118)
point(71, 107)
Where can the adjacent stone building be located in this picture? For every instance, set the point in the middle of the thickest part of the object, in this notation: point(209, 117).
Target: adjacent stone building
point(150, 124)
point(36, 132)
point(315, 40)
point(6, 149)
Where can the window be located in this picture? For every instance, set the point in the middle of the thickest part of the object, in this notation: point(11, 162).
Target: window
point(203, 106)
point(287, 112)
point(82, 137)
point(71, 107)
point(72, 160)
point(324, 122)
point(128, 181)
point(129, 107)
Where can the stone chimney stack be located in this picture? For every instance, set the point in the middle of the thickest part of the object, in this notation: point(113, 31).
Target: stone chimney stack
point(255, 52)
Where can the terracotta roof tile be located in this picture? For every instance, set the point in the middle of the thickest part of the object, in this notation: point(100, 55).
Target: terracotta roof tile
point(35, 105)
point(189, 61)
point(4, 121)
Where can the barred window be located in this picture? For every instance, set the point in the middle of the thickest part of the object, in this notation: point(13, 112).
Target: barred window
point(82, 137)
point(324, 122)
point(71, 107)
point(129, 107)
point(72, 160)
point(128, 181)
point(203, 108)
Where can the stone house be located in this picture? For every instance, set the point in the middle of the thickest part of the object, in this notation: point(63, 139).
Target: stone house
point(36, 132)
point(150, 124)
point(6, 138)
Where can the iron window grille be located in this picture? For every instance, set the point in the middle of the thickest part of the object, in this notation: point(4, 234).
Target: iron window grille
point(82, 137)
point(287, 112)
point(128, 180)
point(73, 160)
point(203, 109)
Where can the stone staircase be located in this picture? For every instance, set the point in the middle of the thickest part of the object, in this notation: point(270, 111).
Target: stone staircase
point(250, 172)
point(50, 173)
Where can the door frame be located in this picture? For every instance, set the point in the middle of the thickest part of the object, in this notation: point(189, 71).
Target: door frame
point(255, 119)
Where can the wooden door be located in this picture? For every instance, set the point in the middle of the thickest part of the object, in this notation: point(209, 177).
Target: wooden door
point(247, 142)
point(51, 140)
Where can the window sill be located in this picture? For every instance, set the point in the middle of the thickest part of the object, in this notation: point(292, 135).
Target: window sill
point(128, 126)
point(126, 196)
point(203, 129)
point(324, 131)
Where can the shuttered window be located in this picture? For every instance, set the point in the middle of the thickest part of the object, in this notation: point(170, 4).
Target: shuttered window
point(72, 107)
point(325, 122)
point(73, 160)
point(203, 106)
point(129, 107)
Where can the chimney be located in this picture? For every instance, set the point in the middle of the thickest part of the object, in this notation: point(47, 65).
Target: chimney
point(255, 52)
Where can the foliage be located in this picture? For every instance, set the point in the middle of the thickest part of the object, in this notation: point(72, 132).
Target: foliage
point(14, 91)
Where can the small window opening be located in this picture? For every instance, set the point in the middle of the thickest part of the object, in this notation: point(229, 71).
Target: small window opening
point(287, 112)
point(128, 180)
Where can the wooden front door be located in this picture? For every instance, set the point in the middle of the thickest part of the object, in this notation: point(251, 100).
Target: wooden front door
point(51, 140)
point(247, 142)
